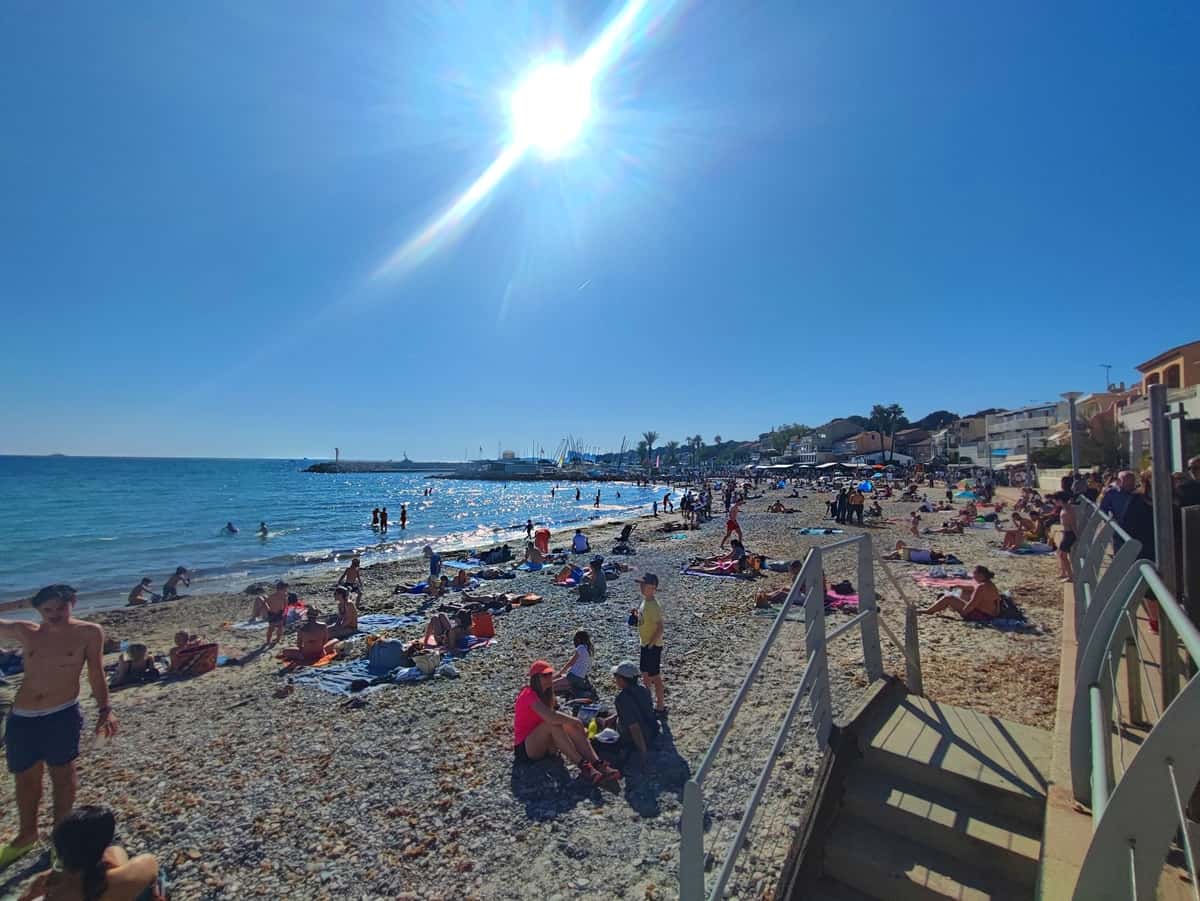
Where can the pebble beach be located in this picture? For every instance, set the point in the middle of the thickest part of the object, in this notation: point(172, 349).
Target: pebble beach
point(246, 786)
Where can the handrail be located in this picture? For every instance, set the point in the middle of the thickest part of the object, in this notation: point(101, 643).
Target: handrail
point(807, 589)
point(1137, 813)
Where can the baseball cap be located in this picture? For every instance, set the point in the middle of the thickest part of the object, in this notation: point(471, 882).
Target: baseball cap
point(540, 668)
point(647, 579)
point(626, 669)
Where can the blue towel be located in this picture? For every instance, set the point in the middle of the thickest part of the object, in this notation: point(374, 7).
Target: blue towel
point(819, 530)
point(462, 564)
point(338, 677)
point(377, 622)
point(531, 567)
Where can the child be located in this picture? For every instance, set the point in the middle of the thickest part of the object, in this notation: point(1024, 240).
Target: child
point(650, 629)
point(573, 677)
point(914, 523)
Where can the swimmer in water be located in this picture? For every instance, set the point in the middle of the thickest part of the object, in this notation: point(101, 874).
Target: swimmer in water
point(230, 528)
point(262, 530)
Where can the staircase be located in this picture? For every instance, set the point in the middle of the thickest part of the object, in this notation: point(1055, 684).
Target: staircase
point(941, 802)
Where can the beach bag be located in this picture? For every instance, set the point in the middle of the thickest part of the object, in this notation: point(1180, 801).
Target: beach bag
point(482, 625)
point(427, 662)
point(386, 655)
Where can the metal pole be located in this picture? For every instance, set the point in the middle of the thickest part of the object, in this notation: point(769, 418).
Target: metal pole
point(1074, 442)
point(1164, 533)
point(1028, 463)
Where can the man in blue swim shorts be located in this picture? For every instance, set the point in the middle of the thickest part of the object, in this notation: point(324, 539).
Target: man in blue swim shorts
point(45, 722)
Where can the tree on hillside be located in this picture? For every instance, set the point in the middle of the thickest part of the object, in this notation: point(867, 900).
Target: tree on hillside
point(779, 441)
point(888, 420)
point(716, 439)
point(642, 451)
point(650, 438)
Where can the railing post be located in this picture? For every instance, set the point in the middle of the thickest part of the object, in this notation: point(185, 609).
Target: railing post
point(814, 647)
point(872, 653)
point(691, 843)
point(912, 656)
point(1133, 681)
point(1164, 533)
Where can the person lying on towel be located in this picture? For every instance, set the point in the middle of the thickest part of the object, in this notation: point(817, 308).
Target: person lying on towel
point(980, 603)
point(736, 561)
point(778, 507)
point(447, 634)
point(312, 641)
point(915, 554)
point(768, 597)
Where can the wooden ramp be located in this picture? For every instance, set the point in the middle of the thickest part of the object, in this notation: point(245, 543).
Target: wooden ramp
point(937, 802)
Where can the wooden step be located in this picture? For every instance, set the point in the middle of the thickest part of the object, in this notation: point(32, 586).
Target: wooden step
point(985, 761)
point(888, 867)
point(980, 836)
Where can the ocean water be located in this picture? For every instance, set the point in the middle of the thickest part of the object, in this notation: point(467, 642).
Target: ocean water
point(101, 524)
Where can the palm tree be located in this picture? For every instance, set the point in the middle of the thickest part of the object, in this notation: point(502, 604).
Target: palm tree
point(642, 451)
point(650, 437)
point(672, 451)
point(888, 420)
point(716, 439)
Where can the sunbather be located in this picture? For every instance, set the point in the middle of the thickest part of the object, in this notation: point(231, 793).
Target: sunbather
point(446, 634)
point(736, 561)
point(352, 577)
point(461, 580)
point(533, 554)
point(594, 587)
point(312, 641)
point(778, 507)
point(346, 621)
point(539, 730)
point(90, 866)
point(978, 604)
point(768, 597)
point(915, 554)
point(134, 668)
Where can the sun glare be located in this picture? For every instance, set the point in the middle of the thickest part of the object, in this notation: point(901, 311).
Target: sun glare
point(550, 108)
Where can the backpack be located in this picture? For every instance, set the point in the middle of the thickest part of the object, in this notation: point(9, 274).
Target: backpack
point(1009, 609)
point(386, 655)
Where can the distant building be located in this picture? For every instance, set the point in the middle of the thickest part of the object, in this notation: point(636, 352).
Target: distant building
point(818, 447)
point(1178, 369)
point(962, 441)
point(916, 443)
point(1009, 433)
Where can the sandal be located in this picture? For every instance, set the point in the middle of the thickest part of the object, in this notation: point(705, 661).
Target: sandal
point(10, 853)
point(589, 773)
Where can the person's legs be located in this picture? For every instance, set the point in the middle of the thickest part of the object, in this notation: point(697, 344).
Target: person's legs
point(947, 602)
point(29, 798)
point(655, 684)
point(64, 781)
point(540, 741)
point(575, 734)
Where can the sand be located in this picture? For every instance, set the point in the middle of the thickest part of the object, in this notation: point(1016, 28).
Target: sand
point(242, 793)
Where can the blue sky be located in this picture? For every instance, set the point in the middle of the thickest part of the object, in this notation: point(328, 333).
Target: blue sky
point(781, 211)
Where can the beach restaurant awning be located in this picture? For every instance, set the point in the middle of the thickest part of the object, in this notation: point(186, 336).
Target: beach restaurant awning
point(1014, 460)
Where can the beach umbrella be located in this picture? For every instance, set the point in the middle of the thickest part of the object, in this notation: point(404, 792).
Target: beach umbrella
point(866, 486)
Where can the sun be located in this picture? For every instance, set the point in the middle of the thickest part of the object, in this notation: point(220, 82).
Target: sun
point(550, 108)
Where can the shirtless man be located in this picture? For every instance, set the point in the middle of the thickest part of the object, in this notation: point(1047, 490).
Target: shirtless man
point(273, 606)
point(352, 577)
point(171, 586)
point(46, 720)
point(142, 594)
point(312, 641)
point(347, 615)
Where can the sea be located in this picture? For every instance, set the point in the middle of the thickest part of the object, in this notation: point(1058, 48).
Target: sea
point(102, 523)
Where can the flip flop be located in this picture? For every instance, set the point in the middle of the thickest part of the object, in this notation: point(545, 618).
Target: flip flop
point(10, 853)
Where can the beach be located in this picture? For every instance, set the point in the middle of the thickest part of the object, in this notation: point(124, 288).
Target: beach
point(243, 788)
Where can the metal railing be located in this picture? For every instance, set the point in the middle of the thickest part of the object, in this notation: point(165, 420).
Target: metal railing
point(1138, 792)
point(807, 591)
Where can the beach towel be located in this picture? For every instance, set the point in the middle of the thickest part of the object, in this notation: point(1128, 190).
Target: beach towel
point(845, 603)
point(572, 580)
point(1028, 550)
point(378, 622)
point(795, 615)
point(949, 559)
point(530, 567)
point(496, 574)
point(324, 660)
point(463, 564)
point(292, 613)
point(946, 582)
point(818, 530)
point(730, 575)
point(473, 643)
point(337, 678)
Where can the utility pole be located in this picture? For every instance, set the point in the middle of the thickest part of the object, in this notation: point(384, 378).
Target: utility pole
point(1028, 463)
point(1107, 367)
point(1164, 534)
point(1071, 397)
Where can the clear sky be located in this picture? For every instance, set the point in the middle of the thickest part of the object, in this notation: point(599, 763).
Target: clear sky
point(780, 211)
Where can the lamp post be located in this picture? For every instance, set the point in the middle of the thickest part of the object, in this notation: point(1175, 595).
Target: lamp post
point(1071, 397)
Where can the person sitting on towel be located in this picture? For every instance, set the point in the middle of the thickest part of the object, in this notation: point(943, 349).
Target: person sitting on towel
point(874, 511)
point(461, 580)
point(312, 641)
point(346, 621)
point(635, 718)
point(767, 597)
point(533, 553)
point(190, 657)
point(135, 669)
point(594, 586)
point(980, 603)
point(446, 634)
point(579, 544)
point(915, 554)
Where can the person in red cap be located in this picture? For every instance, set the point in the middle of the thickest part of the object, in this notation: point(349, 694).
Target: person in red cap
point(539, 730)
